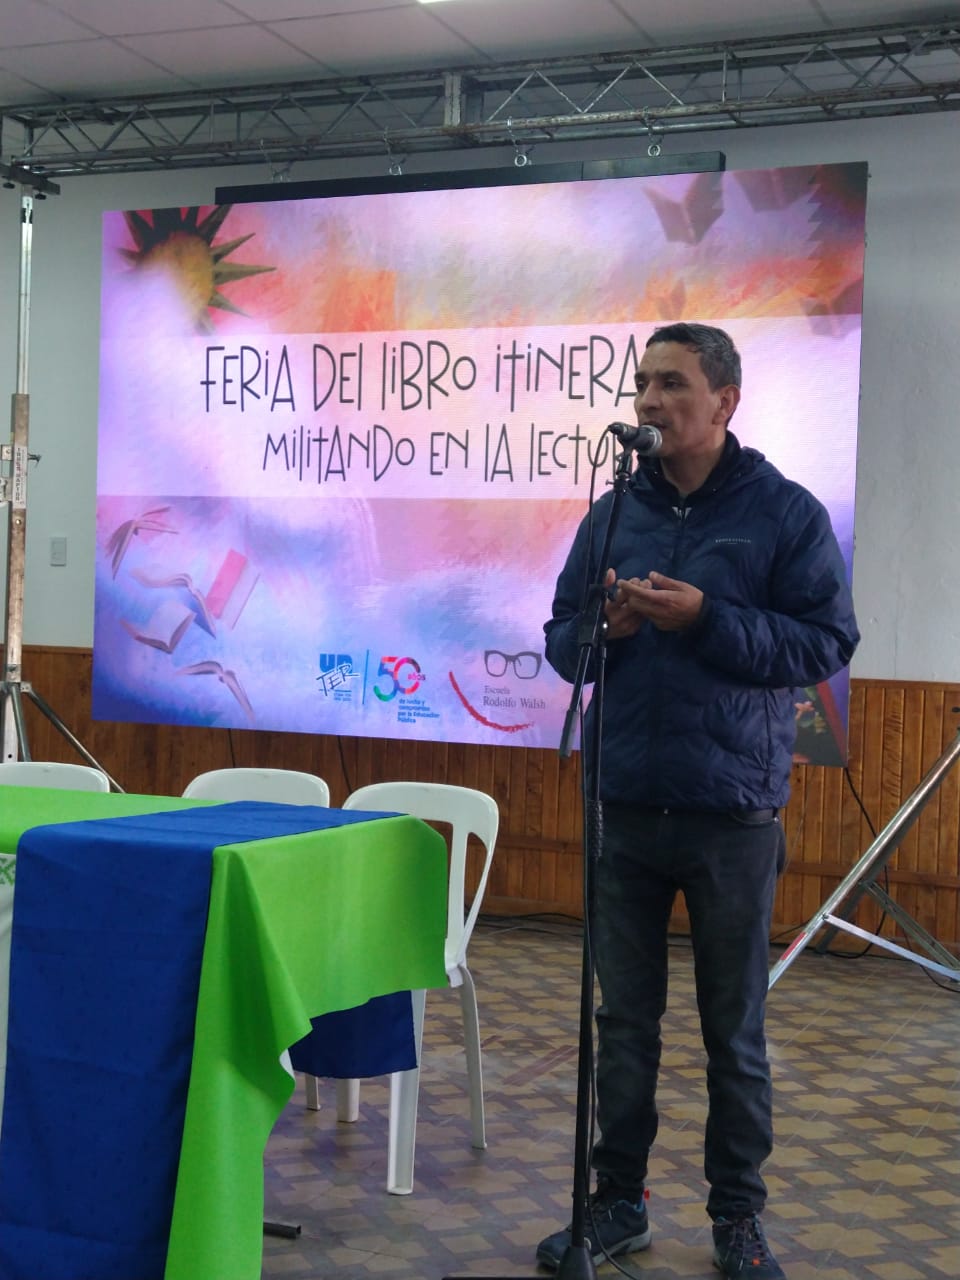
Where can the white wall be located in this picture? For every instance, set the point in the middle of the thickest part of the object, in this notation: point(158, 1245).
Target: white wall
point(906, 574)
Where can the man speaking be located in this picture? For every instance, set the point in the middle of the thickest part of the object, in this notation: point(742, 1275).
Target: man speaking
point(726, 590)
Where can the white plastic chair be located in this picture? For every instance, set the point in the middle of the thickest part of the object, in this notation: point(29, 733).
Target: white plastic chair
point(278, 786)
point(63, 777)
point(467, 812)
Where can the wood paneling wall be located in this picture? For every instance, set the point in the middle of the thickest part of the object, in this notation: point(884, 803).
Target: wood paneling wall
point(897, 732)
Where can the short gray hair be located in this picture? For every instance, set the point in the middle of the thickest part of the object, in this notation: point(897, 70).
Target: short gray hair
point(719, 358)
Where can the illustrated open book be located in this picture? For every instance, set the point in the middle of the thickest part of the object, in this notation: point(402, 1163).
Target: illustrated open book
point(165, 627)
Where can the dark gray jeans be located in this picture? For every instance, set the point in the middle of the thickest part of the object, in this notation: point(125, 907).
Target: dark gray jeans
point(726, 866)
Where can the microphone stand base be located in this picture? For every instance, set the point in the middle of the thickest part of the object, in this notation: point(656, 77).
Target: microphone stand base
point(576, 1264)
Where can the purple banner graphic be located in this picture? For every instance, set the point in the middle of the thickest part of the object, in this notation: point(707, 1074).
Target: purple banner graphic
point(345, 443)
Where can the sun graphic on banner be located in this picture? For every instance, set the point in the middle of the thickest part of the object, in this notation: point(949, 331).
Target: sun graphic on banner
point(178, 244)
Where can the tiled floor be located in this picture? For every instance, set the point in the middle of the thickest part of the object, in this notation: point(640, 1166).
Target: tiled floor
point(864, 1181)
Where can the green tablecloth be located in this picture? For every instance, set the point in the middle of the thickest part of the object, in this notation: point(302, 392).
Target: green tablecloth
point(297, 927)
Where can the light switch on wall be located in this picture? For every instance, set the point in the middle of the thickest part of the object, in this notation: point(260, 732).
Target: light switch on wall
point(58, 551)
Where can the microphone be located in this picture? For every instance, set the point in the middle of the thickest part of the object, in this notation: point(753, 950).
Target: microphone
point(646, 440)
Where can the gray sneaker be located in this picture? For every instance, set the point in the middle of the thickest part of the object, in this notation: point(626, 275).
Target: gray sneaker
point(740, 1249)
point(615, 1223)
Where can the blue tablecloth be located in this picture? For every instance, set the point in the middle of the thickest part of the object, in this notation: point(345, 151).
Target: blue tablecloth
point(108, 938)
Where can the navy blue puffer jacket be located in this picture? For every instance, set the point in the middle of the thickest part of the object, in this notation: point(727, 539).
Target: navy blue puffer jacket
point(704, 718)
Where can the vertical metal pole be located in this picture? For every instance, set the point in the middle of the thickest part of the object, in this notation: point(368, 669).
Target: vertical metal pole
point(17, 524)
point(13, 732)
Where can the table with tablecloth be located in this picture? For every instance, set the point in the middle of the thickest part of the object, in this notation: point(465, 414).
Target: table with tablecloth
point(165, 953)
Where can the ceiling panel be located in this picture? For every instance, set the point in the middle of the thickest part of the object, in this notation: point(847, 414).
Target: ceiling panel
point(857, 13)
point(107, 17)
point(276, 10)
point(670, 22)
point(406, 39)
point(278, 40)
point(225, 55)
point(26, 22)
point(224, 60)
point(13, 89)
point(88, 67)
point(505, 31)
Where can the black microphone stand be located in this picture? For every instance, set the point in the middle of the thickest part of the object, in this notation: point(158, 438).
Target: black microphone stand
point(577, 1260)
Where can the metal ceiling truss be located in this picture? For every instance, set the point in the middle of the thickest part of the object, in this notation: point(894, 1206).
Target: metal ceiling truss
point(806, 78)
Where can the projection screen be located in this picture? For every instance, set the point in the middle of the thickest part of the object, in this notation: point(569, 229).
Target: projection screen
point(344, 443)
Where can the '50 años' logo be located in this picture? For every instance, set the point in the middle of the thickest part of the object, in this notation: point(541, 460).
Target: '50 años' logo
point(404, 675)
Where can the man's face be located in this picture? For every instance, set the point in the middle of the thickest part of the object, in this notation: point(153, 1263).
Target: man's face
point(673, 394)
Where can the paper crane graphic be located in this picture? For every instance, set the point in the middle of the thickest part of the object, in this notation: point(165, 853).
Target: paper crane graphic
point(123, 535)
point(688, 220)
point(226, 677)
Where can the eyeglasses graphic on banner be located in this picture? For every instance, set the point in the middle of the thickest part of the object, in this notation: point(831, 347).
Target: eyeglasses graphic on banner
point(525, 665)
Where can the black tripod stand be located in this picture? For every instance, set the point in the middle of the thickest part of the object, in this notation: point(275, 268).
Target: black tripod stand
point(861, 880)
point(12, 692)
point(577, 1260)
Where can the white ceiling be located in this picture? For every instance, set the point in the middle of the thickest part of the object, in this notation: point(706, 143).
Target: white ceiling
point(81, 49)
